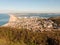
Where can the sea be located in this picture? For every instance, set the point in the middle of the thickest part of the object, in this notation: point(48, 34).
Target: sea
point(4, 18)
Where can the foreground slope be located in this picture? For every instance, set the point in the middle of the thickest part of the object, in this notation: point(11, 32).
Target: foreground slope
point(13, 36)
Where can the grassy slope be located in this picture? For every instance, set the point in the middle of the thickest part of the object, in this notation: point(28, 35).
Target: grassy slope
point(12, 36)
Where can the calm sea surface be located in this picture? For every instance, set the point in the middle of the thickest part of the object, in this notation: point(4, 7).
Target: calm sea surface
point(4, 18)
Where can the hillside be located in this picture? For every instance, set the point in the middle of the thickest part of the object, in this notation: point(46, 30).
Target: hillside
point(30, 31)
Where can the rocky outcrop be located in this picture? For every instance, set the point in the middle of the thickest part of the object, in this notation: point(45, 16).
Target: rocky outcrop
point(56, 20)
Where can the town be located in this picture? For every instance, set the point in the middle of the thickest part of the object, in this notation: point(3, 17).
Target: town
point(32, 23)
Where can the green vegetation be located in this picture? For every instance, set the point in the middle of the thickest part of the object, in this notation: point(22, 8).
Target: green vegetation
point(13, 36)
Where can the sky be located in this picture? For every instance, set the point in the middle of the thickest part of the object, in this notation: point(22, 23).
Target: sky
point(41, 6)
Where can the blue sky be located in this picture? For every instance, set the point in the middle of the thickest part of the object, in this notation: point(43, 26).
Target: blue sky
point(30, 6)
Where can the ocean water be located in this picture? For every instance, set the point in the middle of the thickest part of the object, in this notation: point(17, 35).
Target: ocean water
point(4, 18)
point(47, 15)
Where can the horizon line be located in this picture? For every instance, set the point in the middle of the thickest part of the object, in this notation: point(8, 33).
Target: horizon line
point(12, 11)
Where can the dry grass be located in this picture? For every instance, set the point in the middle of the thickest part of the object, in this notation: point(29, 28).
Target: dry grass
point(13, 36)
